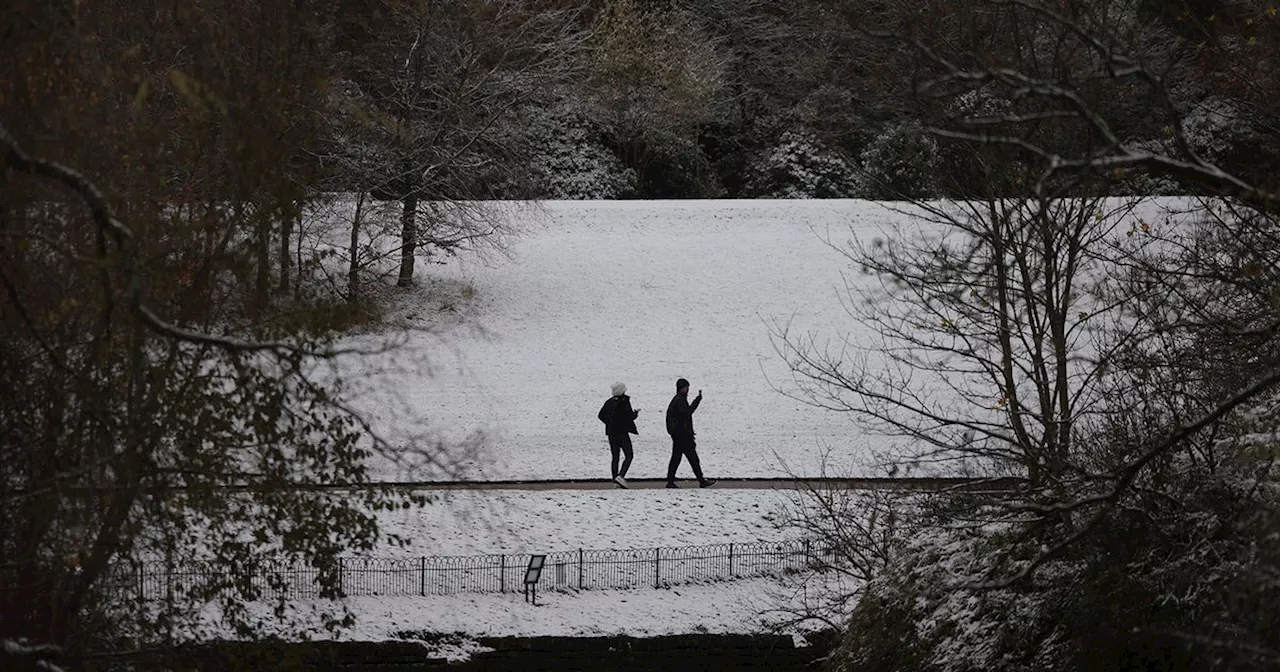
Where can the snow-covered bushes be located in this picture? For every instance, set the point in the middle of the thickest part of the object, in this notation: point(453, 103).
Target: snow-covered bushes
point(799, 166)
point(899, 163)
point(968, 169)
point(1138, 182)
point(1216, 129)
point(1178, 580)
point(569, 160)
point(920, 614)
point(670, 164)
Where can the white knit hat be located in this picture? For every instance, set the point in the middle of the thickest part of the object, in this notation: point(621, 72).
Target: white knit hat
point(619, 388)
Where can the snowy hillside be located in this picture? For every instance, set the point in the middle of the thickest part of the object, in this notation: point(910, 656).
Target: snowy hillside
point(645, 293)
point(522, 352)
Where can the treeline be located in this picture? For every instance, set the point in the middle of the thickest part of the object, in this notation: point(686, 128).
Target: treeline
point(606, 99)
point(717, 98)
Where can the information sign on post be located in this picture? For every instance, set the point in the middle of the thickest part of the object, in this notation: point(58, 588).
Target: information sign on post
point(531, 575)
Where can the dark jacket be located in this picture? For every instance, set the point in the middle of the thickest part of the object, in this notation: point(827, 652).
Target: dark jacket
point(680, 416)
point(617, 416)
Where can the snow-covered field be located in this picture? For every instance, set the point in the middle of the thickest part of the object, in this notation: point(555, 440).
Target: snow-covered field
point(642, 292)
point(518, 354)
point(521, 352)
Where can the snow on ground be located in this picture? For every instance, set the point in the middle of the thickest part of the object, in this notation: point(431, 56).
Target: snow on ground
point(738, 607)
point(641, 292)
point(746, 606)
point(514, 521)
point(521, 352)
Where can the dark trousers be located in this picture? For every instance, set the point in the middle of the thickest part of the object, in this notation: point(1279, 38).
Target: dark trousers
point(687, 448)
point(620, 443)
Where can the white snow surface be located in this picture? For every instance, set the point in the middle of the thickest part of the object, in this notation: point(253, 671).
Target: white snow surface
point(519, 354)
point(642, 292)
point(742, 606)
point(487, 522)
point(745, 606)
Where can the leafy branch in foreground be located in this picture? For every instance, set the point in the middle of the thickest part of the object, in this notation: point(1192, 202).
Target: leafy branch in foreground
point(122, 432)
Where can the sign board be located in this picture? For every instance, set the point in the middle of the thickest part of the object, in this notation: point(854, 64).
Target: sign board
point(534, 570)
point(531, 575)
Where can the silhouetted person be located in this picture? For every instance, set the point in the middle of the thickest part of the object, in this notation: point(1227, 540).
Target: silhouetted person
point(680, 427)
point(619, 424)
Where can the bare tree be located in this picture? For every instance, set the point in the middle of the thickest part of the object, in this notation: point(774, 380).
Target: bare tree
point(1052, 79)
point(1004, 290)
point(420, 117)
point(853, 537)
point(1091, 346)
point(978, 343)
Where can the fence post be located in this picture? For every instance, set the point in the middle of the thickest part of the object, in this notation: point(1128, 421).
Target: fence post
point(808, 557)
point(730, 560)
point(579, 568)
point(502, 573)
point(142, 590)
point(657, 556)
point(168, 595)
point(422, 568)
point(342, 591)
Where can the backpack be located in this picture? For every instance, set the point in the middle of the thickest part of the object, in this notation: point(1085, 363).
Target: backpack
point(606, 412)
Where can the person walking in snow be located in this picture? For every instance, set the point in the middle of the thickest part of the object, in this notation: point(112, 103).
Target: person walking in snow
point(619, 424)
point(680, 427)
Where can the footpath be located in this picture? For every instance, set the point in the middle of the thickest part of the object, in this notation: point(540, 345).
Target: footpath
point(932, 484)
point(926, 484)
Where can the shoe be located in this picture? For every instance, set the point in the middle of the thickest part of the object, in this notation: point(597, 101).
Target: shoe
point(706, 483)
point(622, 482)
point(672, 484)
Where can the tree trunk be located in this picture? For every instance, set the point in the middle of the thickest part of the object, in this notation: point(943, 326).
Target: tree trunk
point(262, 285)
point(353, 272)
point(408, 240)
point(286, 232)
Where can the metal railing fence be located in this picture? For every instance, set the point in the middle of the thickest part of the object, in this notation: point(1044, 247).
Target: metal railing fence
point(581, 569)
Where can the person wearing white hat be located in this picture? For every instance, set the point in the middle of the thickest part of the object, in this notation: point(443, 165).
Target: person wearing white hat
point(619, 424)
